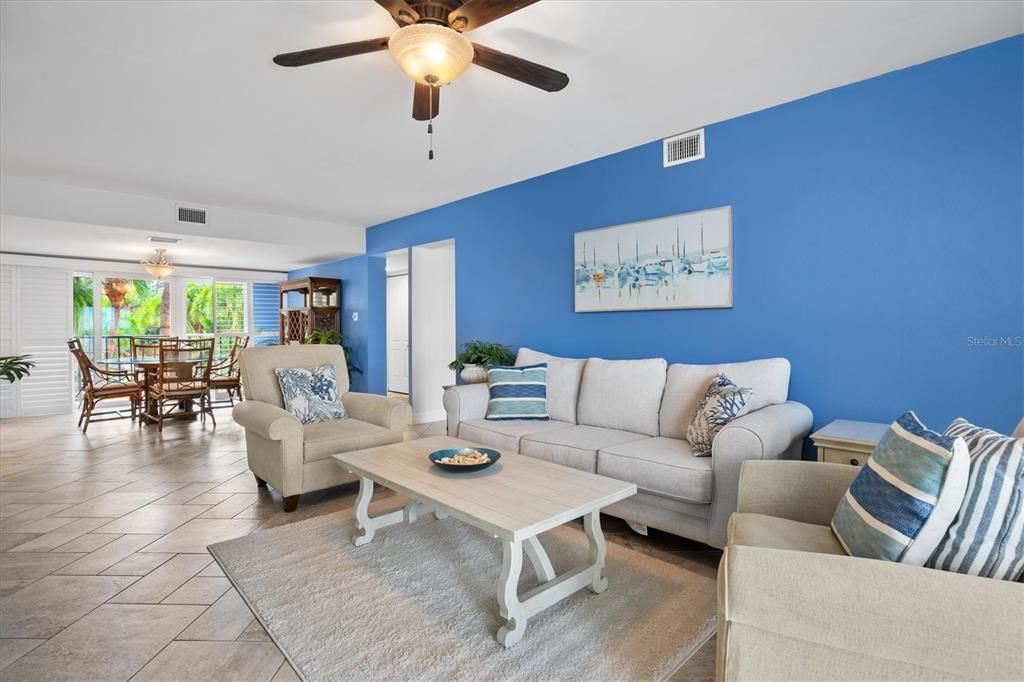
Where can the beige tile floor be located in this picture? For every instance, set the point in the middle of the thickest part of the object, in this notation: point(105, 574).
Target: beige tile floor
point(104, 573)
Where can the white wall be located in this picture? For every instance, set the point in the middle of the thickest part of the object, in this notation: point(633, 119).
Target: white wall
point(432, 308)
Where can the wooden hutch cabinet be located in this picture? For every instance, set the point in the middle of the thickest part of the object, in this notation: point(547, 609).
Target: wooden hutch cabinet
point(320, 309)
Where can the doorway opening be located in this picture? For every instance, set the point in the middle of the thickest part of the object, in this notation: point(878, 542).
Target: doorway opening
point(397, 269)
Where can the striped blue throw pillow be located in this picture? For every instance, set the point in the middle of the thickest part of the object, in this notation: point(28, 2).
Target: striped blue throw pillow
point(905, 498)
point(518, 392)
point(987, 537)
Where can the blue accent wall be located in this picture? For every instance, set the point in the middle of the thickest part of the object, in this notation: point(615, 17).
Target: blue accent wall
point(363, 290)
point(878, 235)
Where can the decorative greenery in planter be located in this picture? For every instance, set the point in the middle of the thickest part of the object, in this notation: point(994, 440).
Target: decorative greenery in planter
point(334, 337)
point(15, 367)
point(482, 354)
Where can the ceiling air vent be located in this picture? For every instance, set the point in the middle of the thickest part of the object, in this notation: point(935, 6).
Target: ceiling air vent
point(189, 214)
point(684, 148)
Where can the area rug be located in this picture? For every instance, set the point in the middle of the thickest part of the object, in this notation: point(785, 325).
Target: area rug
point(418, 603)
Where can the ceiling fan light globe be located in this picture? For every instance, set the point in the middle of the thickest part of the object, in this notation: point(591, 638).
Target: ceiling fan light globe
point(431, 54)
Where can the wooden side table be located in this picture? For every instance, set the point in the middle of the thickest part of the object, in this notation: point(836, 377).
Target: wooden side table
point(847, 442)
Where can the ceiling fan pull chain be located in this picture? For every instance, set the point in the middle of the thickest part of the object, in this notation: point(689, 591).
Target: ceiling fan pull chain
point(430, 124)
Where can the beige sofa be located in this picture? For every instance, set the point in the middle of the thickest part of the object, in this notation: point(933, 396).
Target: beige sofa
point(793, 605)
point(295, 458)
point(627, 419)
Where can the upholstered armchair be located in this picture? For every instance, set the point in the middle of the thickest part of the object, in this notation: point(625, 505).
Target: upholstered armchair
point(295, 458)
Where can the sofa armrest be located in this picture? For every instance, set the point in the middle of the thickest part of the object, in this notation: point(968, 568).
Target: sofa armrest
point(465, 402)
point(773, 432)
point(808, 492)
point(268, 421)
point(800, 615)
point(391, 413)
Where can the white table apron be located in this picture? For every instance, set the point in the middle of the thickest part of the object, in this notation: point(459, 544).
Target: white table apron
point(516, 610)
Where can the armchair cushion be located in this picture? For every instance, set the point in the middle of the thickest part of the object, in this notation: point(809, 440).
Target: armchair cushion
point(323, 439)
point(311, 393)
point(758, 530)
point(663, 466)
point(907, 495)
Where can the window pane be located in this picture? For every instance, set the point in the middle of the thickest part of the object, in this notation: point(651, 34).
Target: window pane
point(81, 303)
point(199, 307)
point(133, 307)
point(222, 347)
point(230, 301)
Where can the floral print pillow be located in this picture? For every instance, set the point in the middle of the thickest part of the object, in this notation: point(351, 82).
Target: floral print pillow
point(722, 402)
point(311, 393)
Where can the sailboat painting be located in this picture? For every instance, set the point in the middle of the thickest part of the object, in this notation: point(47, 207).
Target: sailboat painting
point(681, 261)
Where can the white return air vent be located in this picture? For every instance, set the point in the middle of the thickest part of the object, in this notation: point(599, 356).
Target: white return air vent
point(683, 148)
point(192, 214)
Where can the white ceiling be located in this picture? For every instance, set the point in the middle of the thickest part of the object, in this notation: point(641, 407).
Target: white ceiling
point(181, 100)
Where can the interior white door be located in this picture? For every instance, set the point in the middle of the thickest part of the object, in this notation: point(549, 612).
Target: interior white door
point(398, 334)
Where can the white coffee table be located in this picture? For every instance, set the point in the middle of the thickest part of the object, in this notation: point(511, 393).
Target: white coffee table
point(514, 500)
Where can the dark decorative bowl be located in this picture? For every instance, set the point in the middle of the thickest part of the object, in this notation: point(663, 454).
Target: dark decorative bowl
point(436, 458)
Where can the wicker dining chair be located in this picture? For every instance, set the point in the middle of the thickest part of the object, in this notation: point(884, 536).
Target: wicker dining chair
point(100, 384)
point(225, 375)
point(180, 382)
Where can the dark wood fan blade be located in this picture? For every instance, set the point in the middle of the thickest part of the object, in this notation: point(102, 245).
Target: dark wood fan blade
point(421, 106)
point(520, 69)
point(476, 13)
point(326, 54)
point(400, 11)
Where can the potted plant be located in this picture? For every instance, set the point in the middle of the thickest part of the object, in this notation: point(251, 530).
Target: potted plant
point(334, 337)
point(15, 367)
point(477, 356)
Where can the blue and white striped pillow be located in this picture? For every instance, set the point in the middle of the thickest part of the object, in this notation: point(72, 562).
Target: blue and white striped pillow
point(904, 499)
point(518, 392)
point(987, 538)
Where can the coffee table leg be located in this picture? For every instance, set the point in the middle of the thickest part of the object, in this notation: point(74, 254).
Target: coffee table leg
point(539, 558)
point(508, 594)
point(363, 520)
point(592, 526)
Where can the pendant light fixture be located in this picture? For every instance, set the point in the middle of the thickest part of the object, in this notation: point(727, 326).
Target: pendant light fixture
point(159, 266)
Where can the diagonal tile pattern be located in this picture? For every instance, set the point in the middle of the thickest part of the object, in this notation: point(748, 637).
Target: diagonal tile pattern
point(104, 573)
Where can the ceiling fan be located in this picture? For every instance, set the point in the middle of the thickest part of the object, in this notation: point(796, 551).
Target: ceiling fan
point(430, 46)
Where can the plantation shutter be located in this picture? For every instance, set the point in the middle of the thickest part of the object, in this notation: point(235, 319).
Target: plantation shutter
point(8, 393)
point(42, 325)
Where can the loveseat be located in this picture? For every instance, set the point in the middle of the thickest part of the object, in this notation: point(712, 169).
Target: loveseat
point(793, 605)
point(627, 419)
point(295, 458)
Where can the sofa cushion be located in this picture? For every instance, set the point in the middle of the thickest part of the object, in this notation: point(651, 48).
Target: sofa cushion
point(722, 402)
point(663, 466)
point(575, 446)
point(760, 530)
point(504, 435)
point(517, 392)
point(564, 376)
point(685, 386)
point(623, 394)
point(323, 439)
